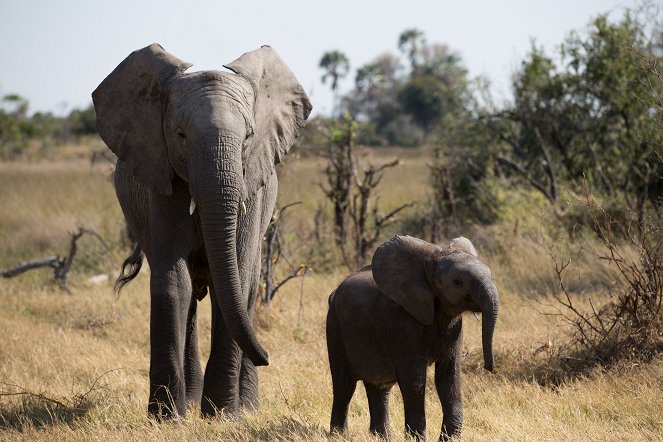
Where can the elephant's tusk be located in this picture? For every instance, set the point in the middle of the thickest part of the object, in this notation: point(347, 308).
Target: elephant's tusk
point(242, 208)
point(192, 207)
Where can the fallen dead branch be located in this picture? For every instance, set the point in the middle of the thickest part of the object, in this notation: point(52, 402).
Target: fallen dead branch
point(60, 266)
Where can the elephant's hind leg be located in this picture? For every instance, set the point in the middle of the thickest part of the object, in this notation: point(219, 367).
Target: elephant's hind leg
point(343, 384)
point(378, 405)
point(343, 388)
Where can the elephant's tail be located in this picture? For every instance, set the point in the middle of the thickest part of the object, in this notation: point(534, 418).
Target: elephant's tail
point(134, 262)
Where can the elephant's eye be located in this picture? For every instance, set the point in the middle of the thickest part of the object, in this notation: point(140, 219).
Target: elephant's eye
point(458, 282)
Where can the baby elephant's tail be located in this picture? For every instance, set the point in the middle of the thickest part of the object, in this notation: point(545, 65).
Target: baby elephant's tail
point(134, 262)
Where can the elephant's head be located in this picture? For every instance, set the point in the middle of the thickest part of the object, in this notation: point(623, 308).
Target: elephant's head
point(423, 277)
point(222, 133)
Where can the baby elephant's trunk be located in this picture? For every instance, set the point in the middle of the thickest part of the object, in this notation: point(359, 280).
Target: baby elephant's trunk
point(489, 302)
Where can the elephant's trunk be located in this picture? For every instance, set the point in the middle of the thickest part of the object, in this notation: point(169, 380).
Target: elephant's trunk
point(487, 299)
point(217, 188)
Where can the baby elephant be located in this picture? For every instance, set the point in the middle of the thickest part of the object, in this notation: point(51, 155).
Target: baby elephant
point(390, 320)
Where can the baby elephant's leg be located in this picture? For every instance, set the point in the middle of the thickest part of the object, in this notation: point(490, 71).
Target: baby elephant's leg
point(343, 388)
point(449, 386)
point(378, 405)
point(343, 384)
point(412, 382)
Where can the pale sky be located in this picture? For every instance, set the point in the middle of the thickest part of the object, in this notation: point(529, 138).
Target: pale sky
point(54, 53)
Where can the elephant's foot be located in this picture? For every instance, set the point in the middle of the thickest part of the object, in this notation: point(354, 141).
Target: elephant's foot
point(194, 393)
point(378, 406)
point(450, 432)
point(248, 386)
point(163, 406)
point(250, 404)
point(210, 407)
point(220, 394)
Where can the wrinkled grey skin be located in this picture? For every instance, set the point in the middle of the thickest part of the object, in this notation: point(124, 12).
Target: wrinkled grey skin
point(390, 320)
point(211, 139)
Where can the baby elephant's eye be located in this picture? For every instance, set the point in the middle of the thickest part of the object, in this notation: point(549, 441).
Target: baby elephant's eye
point(458, 282)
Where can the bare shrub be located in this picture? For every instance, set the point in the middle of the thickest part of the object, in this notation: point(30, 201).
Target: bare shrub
point(629, 325)
point(272, 254)
point(351, 187)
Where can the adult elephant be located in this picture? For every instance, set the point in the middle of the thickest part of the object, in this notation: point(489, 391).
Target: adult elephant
point(195, 179)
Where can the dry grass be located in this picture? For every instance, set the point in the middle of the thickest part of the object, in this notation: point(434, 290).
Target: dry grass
point(90, 351)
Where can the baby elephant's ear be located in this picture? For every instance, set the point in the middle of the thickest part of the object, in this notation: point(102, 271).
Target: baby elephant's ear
point(463, 244)
point(399, 271)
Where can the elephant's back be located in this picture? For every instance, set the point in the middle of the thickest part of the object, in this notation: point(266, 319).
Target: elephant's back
point(356, 296)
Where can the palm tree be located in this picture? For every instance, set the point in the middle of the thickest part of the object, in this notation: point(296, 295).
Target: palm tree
point(336, 66)
point(368, 76)
point(411, 42)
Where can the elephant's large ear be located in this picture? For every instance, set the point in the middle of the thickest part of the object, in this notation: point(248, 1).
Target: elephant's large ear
point(280, 111)
point(129, 107)
point(399, 271)
point(463, 244)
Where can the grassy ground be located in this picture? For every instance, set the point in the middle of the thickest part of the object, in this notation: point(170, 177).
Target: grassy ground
point(78, 362)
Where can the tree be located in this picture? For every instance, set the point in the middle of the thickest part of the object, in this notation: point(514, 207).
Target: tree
point(588, 117)
point(438, 88)
point(411, 43)
point(336, 66)
point(83, 121)
point(15, 127)
point(368, 77)
point(374, 99)
point(426, 100)
point(404, 109)
point(351, 188)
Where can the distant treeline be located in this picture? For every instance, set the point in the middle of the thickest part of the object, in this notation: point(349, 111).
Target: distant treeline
point(17, 128)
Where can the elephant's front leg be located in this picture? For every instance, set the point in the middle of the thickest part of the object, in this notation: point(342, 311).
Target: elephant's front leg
point(193, 373)
point(448, 384)
point(412, 383)
point(231, 380)
point(221, 382)
point(170, 297)
point(378, 406)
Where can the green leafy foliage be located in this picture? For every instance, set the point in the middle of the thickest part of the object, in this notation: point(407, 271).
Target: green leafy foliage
point(17, 129)
point(591, 117)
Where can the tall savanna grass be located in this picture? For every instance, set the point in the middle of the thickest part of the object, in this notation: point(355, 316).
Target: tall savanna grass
point(75, 366)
